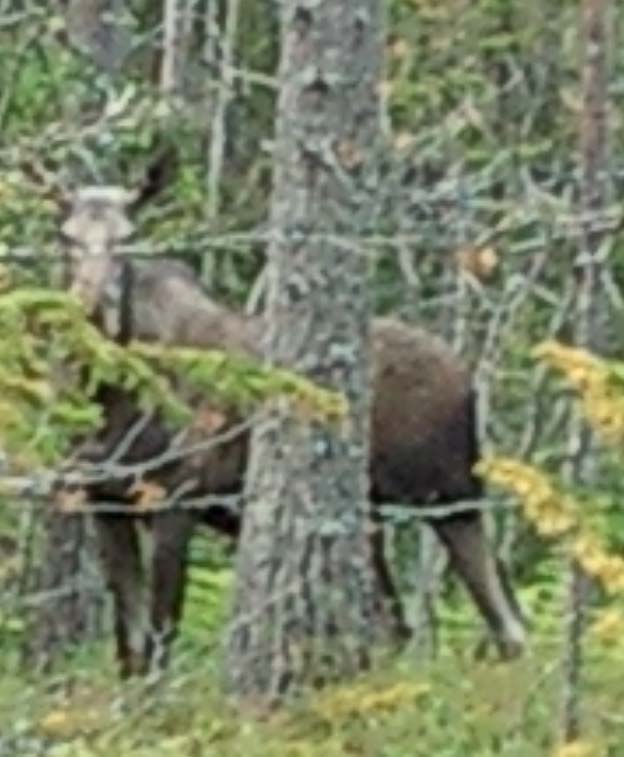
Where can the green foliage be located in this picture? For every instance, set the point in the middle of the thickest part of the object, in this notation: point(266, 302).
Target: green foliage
point(243, 383)
point(453, 706)
point(482, 99)
point(207, 599)
point(52, 362)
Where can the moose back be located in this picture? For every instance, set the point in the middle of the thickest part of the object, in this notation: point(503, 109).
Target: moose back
point(422, 452)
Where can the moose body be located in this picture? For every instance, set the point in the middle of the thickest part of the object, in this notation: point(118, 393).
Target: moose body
point(423, 444)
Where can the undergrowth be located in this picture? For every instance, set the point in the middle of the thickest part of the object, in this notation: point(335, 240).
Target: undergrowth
point(450, 706)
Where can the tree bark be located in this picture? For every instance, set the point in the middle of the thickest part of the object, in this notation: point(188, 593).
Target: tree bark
point(69, 593)
point(95, 27)
point(589, 328)
point(308, 605)
point(71, 597)
point(218, 131)
point(177, 21)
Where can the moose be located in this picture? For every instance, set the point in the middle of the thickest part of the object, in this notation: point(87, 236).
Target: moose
point(423, 437)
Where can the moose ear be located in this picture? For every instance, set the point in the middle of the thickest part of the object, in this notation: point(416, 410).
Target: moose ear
point(130, 196)
point(65, 202)
point(159, 173)
point(72, 229)
point(122, 227)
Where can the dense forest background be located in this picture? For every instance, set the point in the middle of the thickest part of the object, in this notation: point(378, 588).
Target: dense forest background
point(480, 234)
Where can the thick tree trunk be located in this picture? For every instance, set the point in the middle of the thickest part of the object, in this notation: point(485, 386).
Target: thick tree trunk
point(71, 595)
point(308, 604)
point(68, 593)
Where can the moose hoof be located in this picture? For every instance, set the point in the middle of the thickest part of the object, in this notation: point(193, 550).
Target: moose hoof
point(510, 649)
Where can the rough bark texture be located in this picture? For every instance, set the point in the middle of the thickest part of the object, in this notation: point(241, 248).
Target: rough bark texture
point(593, 142)
point(69, 592)
point(69, 612)
point(177, 21)
point(95, 27)
point(590, 315)
point(307, 605)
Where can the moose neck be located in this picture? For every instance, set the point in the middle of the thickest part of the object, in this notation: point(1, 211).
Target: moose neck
point(160, 301)
point(113, 309)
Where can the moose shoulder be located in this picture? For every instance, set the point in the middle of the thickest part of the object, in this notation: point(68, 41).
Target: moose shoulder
point(423, 445)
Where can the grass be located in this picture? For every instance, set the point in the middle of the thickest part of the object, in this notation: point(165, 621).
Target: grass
point(452, 706)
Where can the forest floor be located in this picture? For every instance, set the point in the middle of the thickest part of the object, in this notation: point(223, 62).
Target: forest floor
point(451, 706)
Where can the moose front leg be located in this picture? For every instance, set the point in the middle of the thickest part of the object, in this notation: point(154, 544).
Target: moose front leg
point(471, 556)
point(172, 531)
point(121, 560)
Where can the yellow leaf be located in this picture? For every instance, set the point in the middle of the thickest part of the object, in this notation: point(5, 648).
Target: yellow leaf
point(208, 420)
point(403, 140)
point(70, 501)
point(578, 749)
point(147, 494)
point(398, 49)
point(57, 723)
point(609, 627)
point(5, 278)
point(480, 262)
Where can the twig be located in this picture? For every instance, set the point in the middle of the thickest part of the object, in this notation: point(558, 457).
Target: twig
point(217, 143)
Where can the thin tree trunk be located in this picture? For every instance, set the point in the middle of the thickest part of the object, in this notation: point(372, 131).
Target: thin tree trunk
point(219, 52)
point(176, 32)
point(96, 28)
point(224, 96)
point(588, 316)
point(308, 606)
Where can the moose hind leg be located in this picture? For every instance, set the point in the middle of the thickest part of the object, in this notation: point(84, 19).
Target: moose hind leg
point(401, 632)
point(171, 534)
point(464, 537)
point(120, 554)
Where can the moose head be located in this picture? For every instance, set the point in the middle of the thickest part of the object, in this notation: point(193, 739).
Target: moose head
point(96, 222)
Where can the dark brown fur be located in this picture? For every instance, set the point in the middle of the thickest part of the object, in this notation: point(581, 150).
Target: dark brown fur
point(423, 444)
point(423, 435)
point(423, 449)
